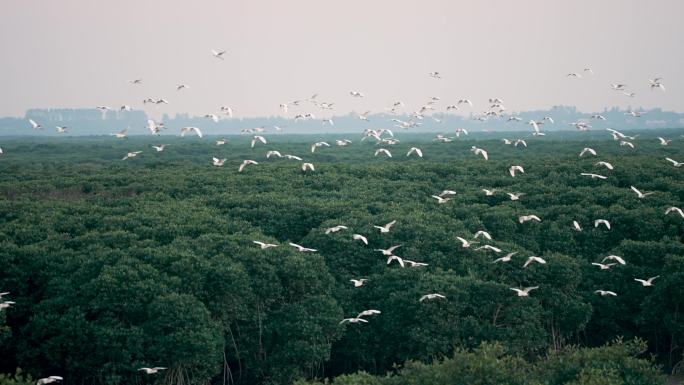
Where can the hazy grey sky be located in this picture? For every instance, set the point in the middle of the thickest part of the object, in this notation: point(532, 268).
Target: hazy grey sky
point(82, 53)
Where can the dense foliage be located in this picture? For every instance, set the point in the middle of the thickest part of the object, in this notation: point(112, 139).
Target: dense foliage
point(115, 265)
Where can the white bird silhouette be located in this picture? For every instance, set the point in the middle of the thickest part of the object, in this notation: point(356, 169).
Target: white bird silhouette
point(258, 138)
point(415, 150)
point(466, 243)
point(441, 200)
point(388, 251)
point(121, 134)
point(534, 259)
point(356, 94)
point(646, 282)
point(515, 196)
point(264, 245)
point(505, 258)
point(131, 154)
point(489, 247)
point(342, 142)
point(640, 195)
point(218, 162)
point(602, 222)
point(6, 304)
point(663, 141)
point(615, 258)
point(212, 117)
point(524, 292)
point(414, 264)
point(358, 282)
point(604, 164)
point(369, 312)
point(604, 266)
point(245, 163)
point(353, 320)
point(309, 166)
point(49, 380)
point(395, 258)
point(302, 248)
point(479, 151)
point(576, 226)
point(152, 370)
point(604, 293)
point(160, 147)
point(291, 157)
point(385, 228)
point(218, 54)
point(359, 237)
point(383, 151)
point(273, 153)
point(489, 192)
point(513, 169)
point(594, 176)
point(482, 233)
point(61, 129)
point(318, 144)
point(335, 229)
point(431, 296)
point(525, 218)
point(675, 210)
point(587, 150)
point(674, 162)
point(188, 130)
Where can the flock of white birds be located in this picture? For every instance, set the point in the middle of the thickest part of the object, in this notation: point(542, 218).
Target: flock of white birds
point(386, 137)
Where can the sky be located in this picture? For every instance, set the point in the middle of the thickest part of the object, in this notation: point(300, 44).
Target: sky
point(84, 53)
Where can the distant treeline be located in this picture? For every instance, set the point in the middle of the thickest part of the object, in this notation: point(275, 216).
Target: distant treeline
point(94, 122)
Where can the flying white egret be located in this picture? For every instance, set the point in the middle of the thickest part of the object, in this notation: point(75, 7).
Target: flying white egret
point(187, 130)
point(604, 266)
point(441, 200)
point(61, 129)
point(154, 370)
point(245, 163)
point(526, 218)
point(383, 151)
point(489, 247)
point(489, 192)
point(515, 196)
point(674, 209)
point(415, 150)
point(264, 245)
point(639, 194)
point(615, 258)
point(604, 293)
point(646, 282)
point(602, 222)
point(395, 258)
point(479, 151)
point(369, 312)
point(121, 134)
point(306, 166)
point(587, 150)
point(466, 243)
point(663, 141)
point(524, 292)
point(131, 154)
point(358, 282)
point(576, 226)
point(353, 320)
point(674, 162)
point(302, 248)
point(318, 144)
point(49, 380)
point(534, 259)
point(594, 176)
point(389, 251)
point(431, 296)
point(482, 233)
point(258, 138)
point(160, 147)
point(218, 54)
point(513, 169)
point(359, 237)
point(506, 258)
point(604, 164)
point(218, 162)
point(386, 228)
point(335, 229)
